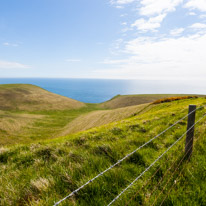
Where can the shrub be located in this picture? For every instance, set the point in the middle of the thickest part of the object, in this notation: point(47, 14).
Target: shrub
point(171, 99)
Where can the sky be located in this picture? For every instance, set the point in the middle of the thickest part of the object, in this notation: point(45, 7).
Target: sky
point(109, 39)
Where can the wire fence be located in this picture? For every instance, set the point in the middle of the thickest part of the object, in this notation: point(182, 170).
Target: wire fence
point(153, 163)
point(172, 175)
point(170, 178)
point(168, 170)
point(176, 166)
point(160, 180)
point(147, 169)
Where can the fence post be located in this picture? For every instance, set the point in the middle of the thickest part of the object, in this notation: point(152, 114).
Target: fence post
point(190, 133)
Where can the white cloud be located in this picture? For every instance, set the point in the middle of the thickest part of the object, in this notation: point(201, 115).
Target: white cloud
point(198, 26)
point(73, 60)
point(150, 24)
point(156, 10)
point(177, 31)
point(118, 43)
point(124, 23)
point(116, 61)
point(155, 7)
point(12, 65)
point(202, 16)
point(151, 7)
point(10, 44)
point(167, 58)
point(119, 7)
point(123, 15)
point(121, 1)
point(196, 4)
point(192, 13)
point(177, 54)
point(119, 4)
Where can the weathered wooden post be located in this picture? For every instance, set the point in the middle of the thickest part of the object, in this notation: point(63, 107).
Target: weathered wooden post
point(190, 133)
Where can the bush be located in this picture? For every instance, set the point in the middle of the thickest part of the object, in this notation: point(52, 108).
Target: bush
point(171, 99)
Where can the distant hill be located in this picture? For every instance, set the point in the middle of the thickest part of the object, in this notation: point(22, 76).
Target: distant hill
point(130, 100)
point(32, 98)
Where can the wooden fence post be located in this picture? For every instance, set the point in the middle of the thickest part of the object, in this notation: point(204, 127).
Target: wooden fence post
point(190, 133)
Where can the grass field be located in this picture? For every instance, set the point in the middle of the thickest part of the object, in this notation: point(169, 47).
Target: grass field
point(29, 113)
point(42, 173)
point(18, 127)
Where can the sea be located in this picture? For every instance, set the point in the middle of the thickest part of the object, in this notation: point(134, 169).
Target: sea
point(100, 90)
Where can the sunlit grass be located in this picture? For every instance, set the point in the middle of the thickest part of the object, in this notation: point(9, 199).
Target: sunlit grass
point(42, 173)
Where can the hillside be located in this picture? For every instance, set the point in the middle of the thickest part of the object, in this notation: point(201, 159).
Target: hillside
point(32, 98)
point(130, 100)
point(26, 127)
point(101, 117)
point(46, 172)
point(29, 113)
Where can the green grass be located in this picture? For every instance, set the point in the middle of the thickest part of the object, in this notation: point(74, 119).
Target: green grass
point(26, 127)
point(42, 173)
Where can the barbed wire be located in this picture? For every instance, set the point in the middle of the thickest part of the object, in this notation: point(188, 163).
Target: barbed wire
point(167, 159)
point(173, 184)
point(176, 179)
point(117, 197)
point(175, 171)
point(128, 155)
point(163, 175)
point(171, 176)
point(167, 171)
point(143, 186)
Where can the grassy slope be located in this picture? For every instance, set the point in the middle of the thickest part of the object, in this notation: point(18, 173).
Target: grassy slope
point(129, 100)
point(48, 171)
point(27, 97)
point(27, 127)
point(101, 117)
point(29, 113)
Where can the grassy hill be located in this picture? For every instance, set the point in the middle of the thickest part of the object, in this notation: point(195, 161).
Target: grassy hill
point(43, 173)
point(29, 113)
point(27, 127)
point(27, 97)
point(101, 117)
point(130, 100)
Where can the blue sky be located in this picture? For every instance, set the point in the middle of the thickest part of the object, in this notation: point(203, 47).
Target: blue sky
point(120, 39)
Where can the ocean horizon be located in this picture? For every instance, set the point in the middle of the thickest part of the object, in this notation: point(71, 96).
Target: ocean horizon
point(100, 90)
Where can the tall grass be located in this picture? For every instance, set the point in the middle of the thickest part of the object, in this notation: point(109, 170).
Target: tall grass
point(42, 173)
